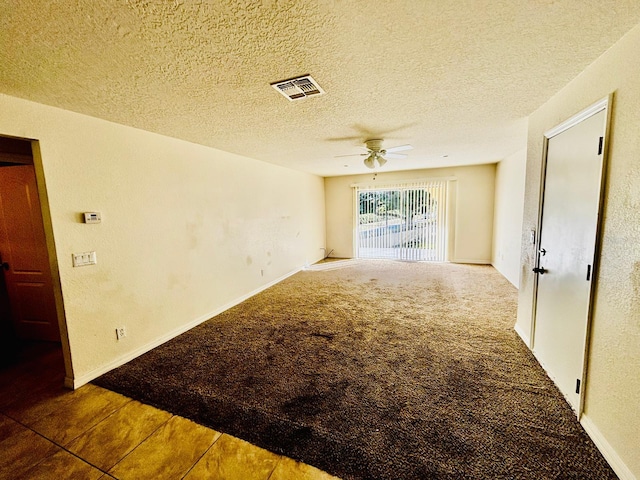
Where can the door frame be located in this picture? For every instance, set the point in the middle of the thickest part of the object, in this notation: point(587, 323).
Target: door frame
point(43, 201)
point(606, 104)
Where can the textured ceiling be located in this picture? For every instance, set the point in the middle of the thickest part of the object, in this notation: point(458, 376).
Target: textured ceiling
point(451, 78)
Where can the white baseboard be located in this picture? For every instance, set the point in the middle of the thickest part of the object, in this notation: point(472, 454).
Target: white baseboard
point(319, 267)
point(499, 269)
point(608, 452)
point(77, 382)
point(521, 333)
point(472, 261)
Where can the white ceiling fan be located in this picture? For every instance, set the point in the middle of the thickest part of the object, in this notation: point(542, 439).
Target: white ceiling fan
point(375, 153)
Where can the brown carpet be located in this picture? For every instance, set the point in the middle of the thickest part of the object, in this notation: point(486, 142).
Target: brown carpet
point(378, 370)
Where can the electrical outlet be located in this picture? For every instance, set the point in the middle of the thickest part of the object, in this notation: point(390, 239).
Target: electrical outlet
point(120, 333)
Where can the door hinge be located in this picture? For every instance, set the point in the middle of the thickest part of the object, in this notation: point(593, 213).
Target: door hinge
point(588, 272)
point(577, 385)
point(600, 145)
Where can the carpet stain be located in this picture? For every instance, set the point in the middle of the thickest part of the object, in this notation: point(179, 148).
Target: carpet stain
point(328, 336)
point(377, 370)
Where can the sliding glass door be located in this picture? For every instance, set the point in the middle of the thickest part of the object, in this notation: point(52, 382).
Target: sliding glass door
point(405, 222)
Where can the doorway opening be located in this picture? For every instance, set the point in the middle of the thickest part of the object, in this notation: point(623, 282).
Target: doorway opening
point(29, 284)
point(404, 221)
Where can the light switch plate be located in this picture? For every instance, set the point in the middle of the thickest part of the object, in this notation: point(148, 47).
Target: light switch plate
point(83, 259)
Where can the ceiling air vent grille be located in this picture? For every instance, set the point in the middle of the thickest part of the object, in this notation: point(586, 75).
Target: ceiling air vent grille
point(298, 88)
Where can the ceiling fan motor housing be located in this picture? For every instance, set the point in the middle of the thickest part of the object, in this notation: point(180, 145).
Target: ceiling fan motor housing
point(376, 154)
point(375, 145)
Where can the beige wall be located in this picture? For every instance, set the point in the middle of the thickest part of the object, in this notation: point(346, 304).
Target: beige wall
point(472, 199)
point(186, 230)
point(612, 409)
point(507, 222)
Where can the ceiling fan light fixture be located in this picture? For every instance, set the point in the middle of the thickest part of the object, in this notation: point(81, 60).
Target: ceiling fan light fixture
point(381, 160)
point(369, 161)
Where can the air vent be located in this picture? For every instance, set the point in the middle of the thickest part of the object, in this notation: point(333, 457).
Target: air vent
point(298, 88)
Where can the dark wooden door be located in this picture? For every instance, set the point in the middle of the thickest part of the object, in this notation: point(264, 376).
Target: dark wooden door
point(24, 256)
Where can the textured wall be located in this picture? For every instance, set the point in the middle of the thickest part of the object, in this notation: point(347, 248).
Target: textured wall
point(185, 229)
point(507, 225)
point(612, 409)
point(471, 201)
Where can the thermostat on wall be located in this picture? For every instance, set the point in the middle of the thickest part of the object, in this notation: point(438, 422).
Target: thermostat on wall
point(92, 217)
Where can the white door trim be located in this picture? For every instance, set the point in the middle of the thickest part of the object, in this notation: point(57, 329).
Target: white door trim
point(603, 104)
point(579, 117)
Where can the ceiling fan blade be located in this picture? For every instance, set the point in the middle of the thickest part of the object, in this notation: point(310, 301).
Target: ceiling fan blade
point(352, 155)
point(395, 155)
point(399, 148)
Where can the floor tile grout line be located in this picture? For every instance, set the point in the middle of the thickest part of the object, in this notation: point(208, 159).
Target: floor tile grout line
point(31, 467)
point(61, 447)
point(64, 403)
point(106, 470)
point(97, 423)
point(205, 452)
point(140, 443)
point(64, 448)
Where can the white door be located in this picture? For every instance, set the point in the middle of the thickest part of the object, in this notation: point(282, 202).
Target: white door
point(567, 248)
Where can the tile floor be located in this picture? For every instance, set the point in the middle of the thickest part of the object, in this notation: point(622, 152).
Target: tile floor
point(49, 432)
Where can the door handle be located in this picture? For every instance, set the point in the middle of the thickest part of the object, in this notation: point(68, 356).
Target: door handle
point(540, 270)
point(542, 251)
point(4, 265)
